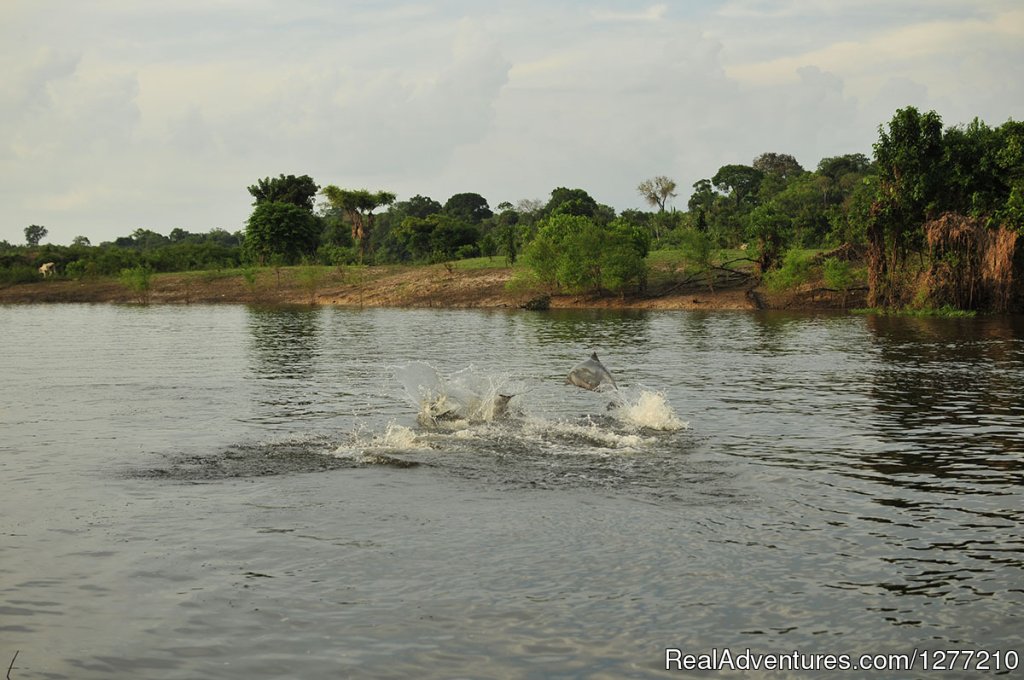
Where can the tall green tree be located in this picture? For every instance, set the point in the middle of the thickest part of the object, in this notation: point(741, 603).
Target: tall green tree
point(841, 175)
point(770, 228)
point(837, 167)
point(358, 205)
point(740, 182)
point(909, 157)
point(299, 191)
point(418, 206)
point(507, 233)
point(567, 201)
point(386, 243)
point(284, 230)
point(701, 201)
point(35, 233)
point(802, 202)
point(468, 207)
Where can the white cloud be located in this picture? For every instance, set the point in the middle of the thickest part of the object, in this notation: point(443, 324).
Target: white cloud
point(652, 13)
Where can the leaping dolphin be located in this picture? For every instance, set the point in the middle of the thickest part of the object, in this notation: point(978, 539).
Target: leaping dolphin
point(590, 375)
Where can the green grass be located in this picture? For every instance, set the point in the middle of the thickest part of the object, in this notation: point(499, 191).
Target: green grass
point(671, 258)
point(496, 262)
point(945, 312)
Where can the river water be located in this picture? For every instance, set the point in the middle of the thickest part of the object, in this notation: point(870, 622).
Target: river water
point(233, 492)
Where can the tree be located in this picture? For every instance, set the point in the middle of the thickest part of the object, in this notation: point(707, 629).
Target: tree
point(909, 155)
point(453, 238)
point(842, 175)
point(834, 167)
point(571, 202)
point(468, 207)
point(974, 182)
point(740, 182)
point(436, 237)
point(657, 191)
point(358, 205)
point(147, 239)
point(701, 201)
point(386, 244)
point(769, 228)
point(505, 232)
point(414, 236)
point(420, 206)
point(850, 221)
point(34, 234)
point(280, 230)
point(80, 241)
point(299, 191)
point(781, 165)
point(801, 201)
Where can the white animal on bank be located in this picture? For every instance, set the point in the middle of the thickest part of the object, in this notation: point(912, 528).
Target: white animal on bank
point(48, 269)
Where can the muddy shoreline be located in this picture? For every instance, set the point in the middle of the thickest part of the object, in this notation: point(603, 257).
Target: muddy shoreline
point(396, 286)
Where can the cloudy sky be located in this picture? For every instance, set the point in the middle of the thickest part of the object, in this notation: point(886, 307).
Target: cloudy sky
point(121, 114)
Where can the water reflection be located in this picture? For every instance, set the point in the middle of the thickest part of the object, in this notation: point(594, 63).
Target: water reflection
point(948, 400)
point(610, 329)
point(284, 340)
point(284, 350)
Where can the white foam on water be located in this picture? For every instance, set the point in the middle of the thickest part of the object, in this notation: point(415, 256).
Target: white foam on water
point(394, 438)
point(647, 409)
point(580, 438)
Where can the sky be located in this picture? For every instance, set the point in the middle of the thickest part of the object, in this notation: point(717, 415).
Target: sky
point(117, 115)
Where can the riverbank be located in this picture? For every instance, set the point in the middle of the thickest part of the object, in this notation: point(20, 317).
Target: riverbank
point(405, 286)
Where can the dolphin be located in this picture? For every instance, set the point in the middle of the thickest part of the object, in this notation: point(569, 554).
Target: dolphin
point(443, 409)
point(590, 375)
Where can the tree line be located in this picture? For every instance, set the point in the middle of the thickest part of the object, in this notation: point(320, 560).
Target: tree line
point(968, 177)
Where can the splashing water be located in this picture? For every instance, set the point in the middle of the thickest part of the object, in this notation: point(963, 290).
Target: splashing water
point(470, 404)
point(647, 409)
point(466, 397)
point(567, 437)
point(394, 438)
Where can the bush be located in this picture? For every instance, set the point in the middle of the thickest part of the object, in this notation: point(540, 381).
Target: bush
point(79, 269)
point(575, 254)
point(838, 274)
point(138, 280)
point(309, 277)
point(337, 255)
point(795, 270)
point(18, 274)
point(698, 248)
point(250, 274)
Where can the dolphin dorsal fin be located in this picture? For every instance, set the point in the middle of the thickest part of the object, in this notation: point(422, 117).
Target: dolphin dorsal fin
point(593, 355)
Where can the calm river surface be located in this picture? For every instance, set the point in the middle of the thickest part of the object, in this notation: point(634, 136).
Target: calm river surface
point(228, 492)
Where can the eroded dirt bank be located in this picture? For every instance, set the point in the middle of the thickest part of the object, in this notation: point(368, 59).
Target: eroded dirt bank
point(435, 286)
